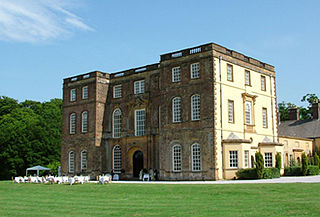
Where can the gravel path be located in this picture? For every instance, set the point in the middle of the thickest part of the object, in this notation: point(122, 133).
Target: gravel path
point(305, 179)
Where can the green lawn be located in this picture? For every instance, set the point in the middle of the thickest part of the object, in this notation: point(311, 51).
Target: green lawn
point(159, 200)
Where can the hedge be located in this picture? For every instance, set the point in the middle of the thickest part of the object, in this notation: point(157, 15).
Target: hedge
point(270, 173)
point(292, 171)
point(250, 173)
point(313, 170)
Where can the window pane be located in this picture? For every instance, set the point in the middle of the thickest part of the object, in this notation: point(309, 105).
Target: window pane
point(233, 159)
point(83, 160)
point(71, 162)
point(196, 158)
point(248, 111)
point(229, 72)
point(117, 91)
point(116, 123)
point(72, 123)
point(230, 111)
point(264, 117)
point(117, 158)
point(139, 122)
point(85, 92)
point(139, 87)
point(246, 159)
point(247, 77)
point(268, 159)
point(73, 95)
point(195, 107)
point(176, 109)
point(263, 83)
point(176, 74)
point(195, 70)
point(84, 122)
point(176, 158)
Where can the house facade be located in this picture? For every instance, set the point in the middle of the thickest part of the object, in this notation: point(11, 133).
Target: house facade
point(199, 114)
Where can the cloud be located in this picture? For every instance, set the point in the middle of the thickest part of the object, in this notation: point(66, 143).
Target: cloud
point(38, 20)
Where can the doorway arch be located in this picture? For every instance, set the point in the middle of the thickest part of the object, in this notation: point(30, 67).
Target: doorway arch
point(137, 162)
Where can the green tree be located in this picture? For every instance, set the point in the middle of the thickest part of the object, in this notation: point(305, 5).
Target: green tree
point(259, 164)
point(304, 162)
point(278, 160)
point(316, 159)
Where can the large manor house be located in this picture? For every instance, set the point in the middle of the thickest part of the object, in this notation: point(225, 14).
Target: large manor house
point(199, 114)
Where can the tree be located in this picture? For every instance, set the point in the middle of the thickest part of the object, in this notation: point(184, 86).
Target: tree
point(259, 164)
point(278, 160)
point(284, 110)
point(316, 159)
point(304, 167)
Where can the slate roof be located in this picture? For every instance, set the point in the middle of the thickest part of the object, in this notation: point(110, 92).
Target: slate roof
point(307, 129)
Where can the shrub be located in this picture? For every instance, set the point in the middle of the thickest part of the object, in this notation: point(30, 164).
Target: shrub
point(311, 161)
point(304, 167)
point(293, 162)
point(278, 160)
point(250, 173)
point(316, 159)
point(270, 173)
point(292, 171)
point(313, 170)
point(259, 164)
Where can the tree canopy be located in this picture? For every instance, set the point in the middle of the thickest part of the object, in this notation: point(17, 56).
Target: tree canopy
point(30, 134)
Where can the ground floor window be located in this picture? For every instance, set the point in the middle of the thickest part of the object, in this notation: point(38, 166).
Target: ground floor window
point(233, 159)
point(117, 158)
point(84, 162)
point(176, 153)
point(71, 162)
point(246, 159)
point(196, 157)
point(268, 159)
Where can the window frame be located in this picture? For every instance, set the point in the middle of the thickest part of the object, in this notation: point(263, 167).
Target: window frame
point(117, 91)
point(176, 110)
point(139, 87)
point(247, 80)
point(116, 158)
point(176, 158)
point(229, 72)
point(195, 108)
point(248, 112)
point(136, 126)
point(72, 123)
point(85, 92)
point(196, 157)
point(231, 113)
point(264, 117)
point(82, 160)
point(268, 160)
point(233, 159)
point(84, 124)
point(73, 95)
point(116, 127)
point(263, 83)
point(71, 162)
point(176, 74)
point(246, 159)
point(195, 70)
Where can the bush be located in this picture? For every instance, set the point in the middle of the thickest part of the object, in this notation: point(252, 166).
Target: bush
point(313, 170)
point(293, 162)
point(259, 164)
point(292, 171)
point(270, 173)
point(250, 173)
point(316, 159)
point(311, 161)
point(278, 160)
point(304, 167)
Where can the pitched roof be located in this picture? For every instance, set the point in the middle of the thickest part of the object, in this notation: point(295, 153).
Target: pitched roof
point(300, 128)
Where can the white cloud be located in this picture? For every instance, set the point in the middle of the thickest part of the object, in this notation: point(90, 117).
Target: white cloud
point(37, 20)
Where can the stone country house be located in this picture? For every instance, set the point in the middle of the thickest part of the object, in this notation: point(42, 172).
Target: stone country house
point(199, 114)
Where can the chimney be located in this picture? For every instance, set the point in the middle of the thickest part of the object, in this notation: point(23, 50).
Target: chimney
point(316, 110)
point(294, 114)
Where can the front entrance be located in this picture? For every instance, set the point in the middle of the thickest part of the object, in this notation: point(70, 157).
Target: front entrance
point(137, 163)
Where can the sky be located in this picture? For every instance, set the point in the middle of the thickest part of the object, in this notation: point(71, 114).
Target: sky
point(44, 41)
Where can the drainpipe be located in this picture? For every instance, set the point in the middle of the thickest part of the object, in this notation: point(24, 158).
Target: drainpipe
point(272, 107)
point(222, 153)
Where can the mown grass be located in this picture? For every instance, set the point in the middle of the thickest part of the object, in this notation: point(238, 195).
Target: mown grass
point(296, 199)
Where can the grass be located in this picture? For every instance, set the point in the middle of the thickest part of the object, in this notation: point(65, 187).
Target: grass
point(296, 199)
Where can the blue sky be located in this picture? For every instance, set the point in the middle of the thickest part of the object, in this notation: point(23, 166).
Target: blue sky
point(44, 41)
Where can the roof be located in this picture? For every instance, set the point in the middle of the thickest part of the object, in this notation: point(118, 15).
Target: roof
point(300, 128)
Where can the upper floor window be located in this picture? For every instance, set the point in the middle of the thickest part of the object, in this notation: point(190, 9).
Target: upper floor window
point(176, 109)
point(84, 122)
point(117, 158)
point(117, 91)
point(176, 74)
point(268, 159)
point(229, 72)
point(140, 116)
point(247, 77)
point(263, 83)
point(73, 123)
point(264, 117)
point(176, 158)
point(230, 111)
point(196, 157)
point(139, 87)
point(73, 95)
point(233, 159)
point(195, 70)
point(84, 162)
point(85, 92)
point(116, 130)
point(195, 107)
point(248, 112)
point(71, 161)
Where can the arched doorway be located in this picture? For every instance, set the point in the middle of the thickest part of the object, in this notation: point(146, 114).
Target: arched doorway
point(137, 163)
